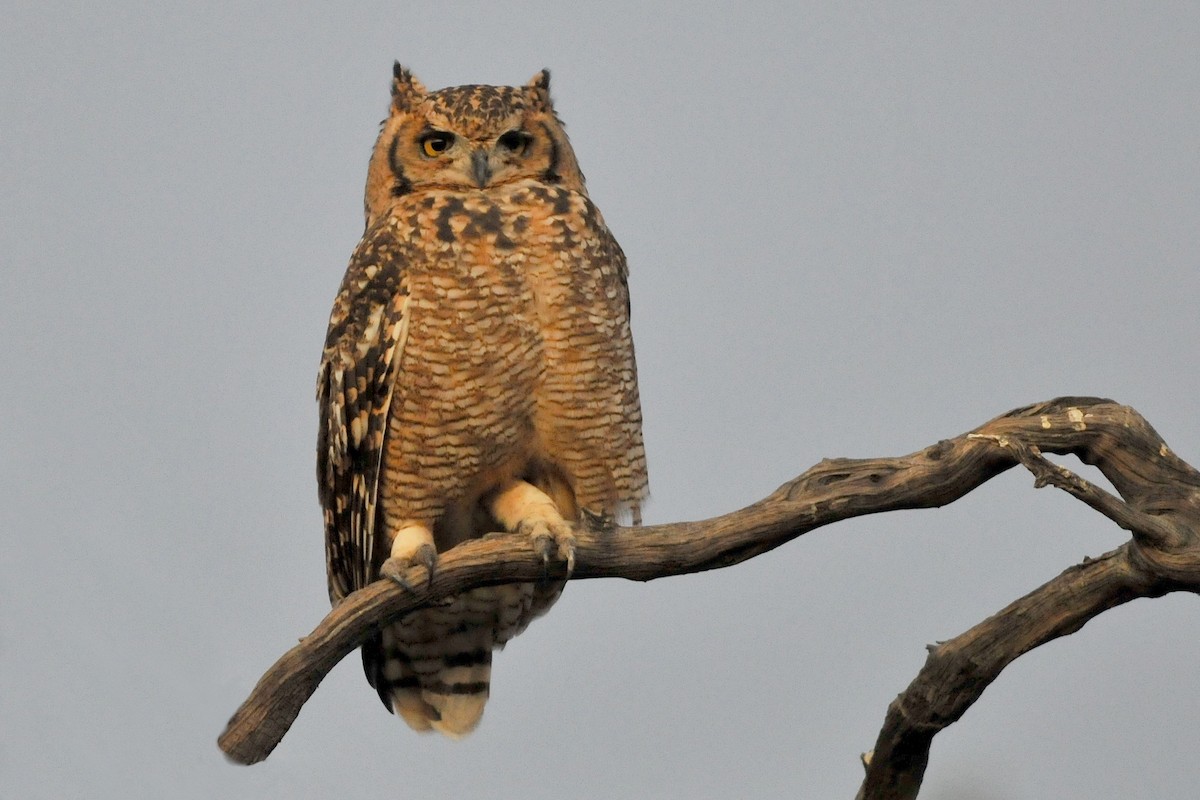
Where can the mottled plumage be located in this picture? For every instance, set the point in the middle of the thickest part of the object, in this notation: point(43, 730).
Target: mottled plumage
point(478, 375)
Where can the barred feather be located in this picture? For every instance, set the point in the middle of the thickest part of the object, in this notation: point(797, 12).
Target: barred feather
point(480, 339)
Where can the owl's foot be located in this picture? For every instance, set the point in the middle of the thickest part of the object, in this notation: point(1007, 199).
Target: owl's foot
point(412, 545)
point(527, 510)
point(551, 539)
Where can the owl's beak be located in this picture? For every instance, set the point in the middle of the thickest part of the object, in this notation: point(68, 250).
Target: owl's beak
point(481, 170)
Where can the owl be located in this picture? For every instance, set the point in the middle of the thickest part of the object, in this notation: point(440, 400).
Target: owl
point(478, 376)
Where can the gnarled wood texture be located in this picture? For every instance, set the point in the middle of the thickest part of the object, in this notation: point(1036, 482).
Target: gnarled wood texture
point(1159, 504)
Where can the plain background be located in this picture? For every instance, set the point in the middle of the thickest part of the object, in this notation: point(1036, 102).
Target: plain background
point(854, 229)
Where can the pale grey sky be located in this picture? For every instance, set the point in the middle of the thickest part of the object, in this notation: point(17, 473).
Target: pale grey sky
point(853, 229)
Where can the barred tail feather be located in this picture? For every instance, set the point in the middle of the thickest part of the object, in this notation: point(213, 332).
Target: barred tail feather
point(459, 691)
point(451, 703)
point(433, 668)
point(436, 673)
point(408, 703)
point(449, 700)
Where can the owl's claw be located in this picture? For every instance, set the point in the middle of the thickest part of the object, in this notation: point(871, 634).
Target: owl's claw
point(552, 540)
point(395, 567)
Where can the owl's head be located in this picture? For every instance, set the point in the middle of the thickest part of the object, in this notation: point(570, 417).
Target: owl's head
point(468, 138)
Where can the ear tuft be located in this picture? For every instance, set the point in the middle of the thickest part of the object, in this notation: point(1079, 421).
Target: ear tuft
point(406, 89)
point(540, 81)
point(539, 87)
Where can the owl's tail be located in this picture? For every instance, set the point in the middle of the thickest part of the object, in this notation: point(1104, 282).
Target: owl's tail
point(437, 673)
point(433, 668)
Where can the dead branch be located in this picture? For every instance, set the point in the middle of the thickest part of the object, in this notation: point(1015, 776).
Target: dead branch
point(1159, 504)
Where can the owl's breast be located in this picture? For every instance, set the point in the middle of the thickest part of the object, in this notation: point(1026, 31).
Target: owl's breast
point(472, 304)
point(518, 344)
point(587, 411)
point(509, 271)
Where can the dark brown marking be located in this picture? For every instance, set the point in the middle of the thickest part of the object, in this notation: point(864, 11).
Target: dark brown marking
point(562, 203)
point(402, 185)
point(551, 174)
point(489, 222)
point(479, 107)
point(466, 687)
point(468, 659)
point(451, 206)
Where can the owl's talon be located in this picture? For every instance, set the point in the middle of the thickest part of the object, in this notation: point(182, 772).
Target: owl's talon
point(545, 547)
point(395, 567)
point(553, 541)
point(569, 546)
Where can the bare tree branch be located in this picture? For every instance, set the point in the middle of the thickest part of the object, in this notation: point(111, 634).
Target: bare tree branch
point(1159, 504)
point(1161, 508)
point(957, 671)
point(1144, 527)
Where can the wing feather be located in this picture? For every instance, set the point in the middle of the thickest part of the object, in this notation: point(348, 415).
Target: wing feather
point(355, 385)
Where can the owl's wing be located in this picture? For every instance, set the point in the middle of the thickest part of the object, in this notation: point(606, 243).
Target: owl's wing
point(358, 372)
point(632, 469)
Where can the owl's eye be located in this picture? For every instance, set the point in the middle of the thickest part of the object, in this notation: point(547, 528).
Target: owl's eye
point(434, 144)
point(515, 141)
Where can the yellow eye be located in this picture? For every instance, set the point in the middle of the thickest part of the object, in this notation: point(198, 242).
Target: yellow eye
point(434, 144)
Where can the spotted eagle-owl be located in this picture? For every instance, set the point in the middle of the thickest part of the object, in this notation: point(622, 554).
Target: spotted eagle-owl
point(478, 376)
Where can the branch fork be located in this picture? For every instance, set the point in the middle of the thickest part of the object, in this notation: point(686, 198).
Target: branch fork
point(1159, 504)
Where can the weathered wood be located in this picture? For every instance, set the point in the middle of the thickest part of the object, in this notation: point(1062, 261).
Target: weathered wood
point(957, 671)
point(1159, 504)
